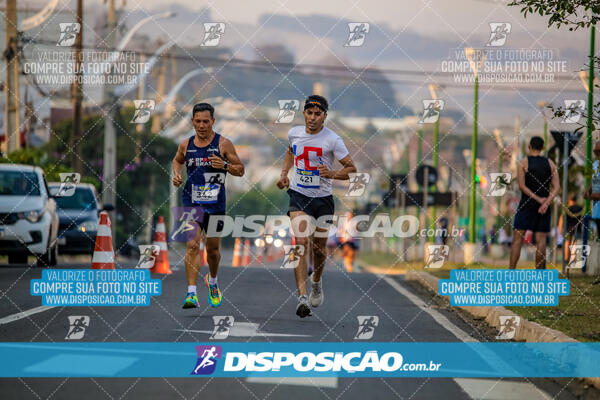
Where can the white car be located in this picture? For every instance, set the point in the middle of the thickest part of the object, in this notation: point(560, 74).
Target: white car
point(28, 218)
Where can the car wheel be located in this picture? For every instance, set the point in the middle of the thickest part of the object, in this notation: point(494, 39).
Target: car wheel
point(17, 258)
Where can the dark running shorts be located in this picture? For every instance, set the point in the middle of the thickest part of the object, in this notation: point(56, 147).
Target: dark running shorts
point(314, 206)
point(532, 221)
point(203, 223)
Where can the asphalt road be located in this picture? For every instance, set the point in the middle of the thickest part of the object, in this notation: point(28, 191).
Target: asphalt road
point(262, 301)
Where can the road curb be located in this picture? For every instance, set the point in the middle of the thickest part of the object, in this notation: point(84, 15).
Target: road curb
point(527, 331)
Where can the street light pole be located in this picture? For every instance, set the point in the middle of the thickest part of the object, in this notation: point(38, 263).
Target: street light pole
point(419, 161)
point(476, 60)
point(590, 110)
point(109, 165)
point(542, 107)
point(11, 86)
point(109, 162)
point(472, 200)
point(436, 132)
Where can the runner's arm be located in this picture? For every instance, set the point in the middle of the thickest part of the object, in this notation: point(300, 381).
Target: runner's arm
point(178, 162)
point(555, 188)
point(555, 183)
point(342, 174)
point(288, 162)
point(349, 168)
point(234, 166)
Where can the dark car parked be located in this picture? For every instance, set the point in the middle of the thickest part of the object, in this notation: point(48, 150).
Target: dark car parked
point(78, 218)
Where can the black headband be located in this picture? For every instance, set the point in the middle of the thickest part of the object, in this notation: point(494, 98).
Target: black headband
point(314, 102)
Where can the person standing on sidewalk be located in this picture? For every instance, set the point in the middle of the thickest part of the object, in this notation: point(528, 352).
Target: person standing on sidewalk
point(538, 182)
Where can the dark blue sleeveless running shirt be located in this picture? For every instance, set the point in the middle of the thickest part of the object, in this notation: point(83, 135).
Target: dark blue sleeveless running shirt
point(538, 179)
point(205, 185)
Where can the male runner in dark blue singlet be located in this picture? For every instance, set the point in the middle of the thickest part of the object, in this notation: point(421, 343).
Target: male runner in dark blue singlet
point(208, 157)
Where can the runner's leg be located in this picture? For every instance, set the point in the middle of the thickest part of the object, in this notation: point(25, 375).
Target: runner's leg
point(567, 248)
point(515, 250)
point(320, 254)
point(192, 267)
point(300, 229)
point(192, 258)
point(213, 254)
point(540, 250)
point(316, 286)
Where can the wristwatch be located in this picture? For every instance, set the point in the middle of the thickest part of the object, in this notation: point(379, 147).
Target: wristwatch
point(225, 164)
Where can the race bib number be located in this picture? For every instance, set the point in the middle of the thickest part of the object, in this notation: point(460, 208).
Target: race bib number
point(205, 194)
point(307, 178)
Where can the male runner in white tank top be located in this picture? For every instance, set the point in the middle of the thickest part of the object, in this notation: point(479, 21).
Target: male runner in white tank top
point(312, 152)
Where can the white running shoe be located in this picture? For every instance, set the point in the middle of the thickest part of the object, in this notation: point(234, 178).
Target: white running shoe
point(316, 293)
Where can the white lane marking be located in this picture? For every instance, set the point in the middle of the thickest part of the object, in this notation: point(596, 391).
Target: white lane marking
point(436, 315)
point(465, 337)
point(245, 329)
point(493, 390)
point(24, 314)
point(328, 382)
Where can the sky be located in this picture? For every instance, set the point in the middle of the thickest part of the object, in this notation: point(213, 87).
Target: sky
point(424, 32)
point(431, 17)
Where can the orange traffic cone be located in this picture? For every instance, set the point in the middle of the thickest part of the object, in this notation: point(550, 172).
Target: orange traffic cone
point(246, 257)
point(202, 254)
point(161, 264)
point(259, 255)
point(104, 256)
point(237, 253)
point(270, 255)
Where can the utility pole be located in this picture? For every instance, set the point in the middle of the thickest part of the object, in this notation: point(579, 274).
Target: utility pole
point(140, 128)
point(171, 108)
point(516, 147)
point(109, 167)
point(11, 86)
point(77, 95)
point(589, 123)
point(159, 95)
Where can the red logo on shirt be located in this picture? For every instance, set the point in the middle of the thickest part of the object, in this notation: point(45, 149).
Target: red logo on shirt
point(305, 156)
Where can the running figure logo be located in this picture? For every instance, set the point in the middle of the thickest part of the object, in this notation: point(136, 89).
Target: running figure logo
point(508, 326)
point(223, 325)
point(185, 226)
point(207, 359)
point(437, 254)
point(68, 33)
point(77, 326)
point(358, 33)
point(148, 254)
point(209, 192)
point(431, 111)
point(287, 111)
point(500, 182)
point(366, 326)
point(357, 184)
point(292, 255)
point(499, 33)
point(212, 33)
point(143, 110)
point(574, 110)
point(579, 254)
point(68, 182)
